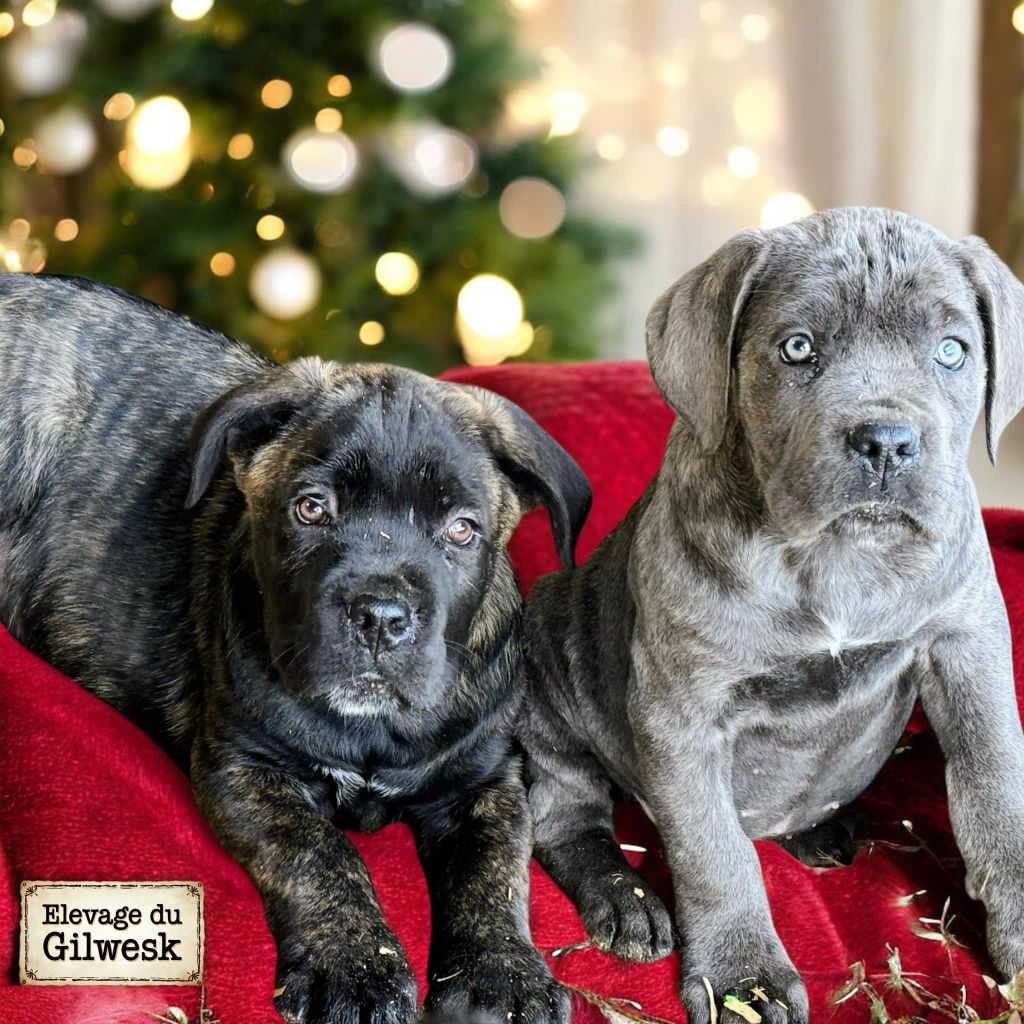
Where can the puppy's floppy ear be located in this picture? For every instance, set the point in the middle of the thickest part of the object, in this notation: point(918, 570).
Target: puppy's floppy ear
point(246, 417)
point(1001, 305)
point(690, 335)
point(541, 470)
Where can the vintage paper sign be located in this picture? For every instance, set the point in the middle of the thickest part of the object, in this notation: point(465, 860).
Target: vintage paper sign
point(111, 933)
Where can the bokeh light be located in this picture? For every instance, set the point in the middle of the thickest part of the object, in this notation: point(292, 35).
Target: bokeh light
point(222, 264)
point(285, 283)
point(397, 273)
point(270, 227)
point(784, 208)
point(328, 120)
point(371, 333)
point(119, 106)
point(673, 140)
point(38, 12)
point(757, 109)
point(743, 161)
point(414, 57)
point(277, 93)
point(756, 27)
point(490, 306)
point(339, 85)
point(240, 146)
point(531, 208)
point(321, 161)
point(190, 10)
point(1017, 18)
point(65, 141)
point(65, 230)
point(160, 125)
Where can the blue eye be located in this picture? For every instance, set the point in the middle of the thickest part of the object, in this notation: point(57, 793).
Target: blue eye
point(797, 348)
point(951, 353)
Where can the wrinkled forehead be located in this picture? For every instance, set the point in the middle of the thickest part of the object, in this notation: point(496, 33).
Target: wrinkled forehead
point(895, 275)
point(394, 435)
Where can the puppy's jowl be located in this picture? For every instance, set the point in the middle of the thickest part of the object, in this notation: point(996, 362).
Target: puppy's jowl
point(745, 649)
point(329, 635)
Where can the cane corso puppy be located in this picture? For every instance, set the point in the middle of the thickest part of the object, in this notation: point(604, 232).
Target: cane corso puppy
point(744, 651)
point(309, 602)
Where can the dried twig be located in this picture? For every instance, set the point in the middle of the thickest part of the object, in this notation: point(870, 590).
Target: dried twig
point(615, 1011)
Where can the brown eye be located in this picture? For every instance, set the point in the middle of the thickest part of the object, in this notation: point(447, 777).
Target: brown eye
point(460, 532)
point(311, 512)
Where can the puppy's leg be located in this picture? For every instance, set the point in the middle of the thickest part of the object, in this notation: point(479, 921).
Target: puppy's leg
point(968, 694)
point(728, 939)
point(571, 804)
point(475, 850)
point(337, 961)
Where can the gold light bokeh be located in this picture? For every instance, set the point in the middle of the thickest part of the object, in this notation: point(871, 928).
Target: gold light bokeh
point(371, 333)
point(190, 10)
point(339, 85)
point(38, 12)
point(397, 273)
point(240, 146)
point(328, 120)
point(270, 227)
point(66, 230)
point(119, 106)
point(222, 264)
point(277, 93)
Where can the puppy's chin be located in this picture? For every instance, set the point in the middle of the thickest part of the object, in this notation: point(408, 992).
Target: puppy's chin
point(369, 691)
point(366, 696)
point(878, 523)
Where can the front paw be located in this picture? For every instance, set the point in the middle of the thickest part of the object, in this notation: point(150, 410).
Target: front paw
point(508, 986)
point(340, 982)
point(737, 972)
point(623, 916)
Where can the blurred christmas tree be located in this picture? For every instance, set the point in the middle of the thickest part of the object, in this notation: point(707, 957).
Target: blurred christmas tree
point(314, 176)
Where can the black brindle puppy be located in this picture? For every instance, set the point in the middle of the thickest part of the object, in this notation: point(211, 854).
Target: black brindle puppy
point(329, 637)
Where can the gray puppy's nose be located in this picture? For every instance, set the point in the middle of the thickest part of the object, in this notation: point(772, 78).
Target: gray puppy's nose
point(381, 623)
point(881, 447)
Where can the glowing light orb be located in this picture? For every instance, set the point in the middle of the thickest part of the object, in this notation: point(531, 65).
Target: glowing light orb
point(160, 125)
point(784, 208)
point(531, 208)
point(673, 140)
point(66, 141)
point(285, 283)
point(743, 162)
point(371, 333)
point(415, 57)
point(321, 161)
point(490, 305)
point(397, 273)
point(190, 10)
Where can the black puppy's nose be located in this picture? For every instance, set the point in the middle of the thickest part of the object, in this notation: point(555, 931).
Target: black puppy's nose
point(381, 623)
point(881, 447)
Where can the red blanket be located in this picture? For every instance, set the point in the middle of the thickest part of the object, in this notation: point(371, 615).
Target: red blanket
point(84, 795)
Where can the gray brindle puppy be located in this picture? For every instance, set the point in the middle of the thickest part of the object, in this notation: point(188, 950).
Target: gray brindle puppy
point(310, 604)
point(744, 651)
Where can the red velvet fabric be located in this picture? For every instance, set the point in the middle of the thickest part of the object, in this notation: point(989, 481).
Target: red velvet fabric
point(84, 795)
